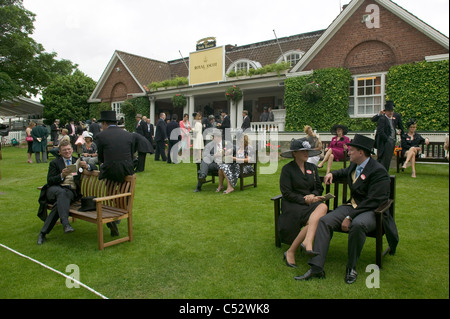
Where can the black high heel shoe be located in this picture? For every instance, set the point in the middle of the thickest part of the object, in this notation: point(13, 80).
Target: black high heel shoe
point(288, 263)
point(310, 253)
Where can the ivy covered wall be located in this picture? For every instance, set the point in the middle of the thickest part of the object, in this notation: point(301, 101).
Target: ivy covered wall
point(324, 112)
point(421, 91)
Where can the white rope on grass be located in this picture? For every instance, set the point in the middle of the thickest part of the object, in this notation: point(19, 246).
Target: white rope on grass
point(54, 270)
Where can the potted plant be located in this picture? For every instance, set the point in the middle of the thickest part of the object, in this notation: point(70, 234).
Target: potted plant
point(312, 92)
point(234, 93)
point(179, 100)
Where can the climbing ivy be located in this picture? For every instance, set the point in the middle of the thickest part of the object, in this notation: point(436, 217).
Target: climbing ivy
point(421, 91)
point(321, 113)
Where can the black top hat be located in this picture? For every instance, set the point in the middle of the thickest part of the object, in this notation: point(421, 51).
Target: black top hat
point(362, 142)
point(107, 116)
point(336, 126)
point(87, 204)
point(300, 144)
point(389, 106)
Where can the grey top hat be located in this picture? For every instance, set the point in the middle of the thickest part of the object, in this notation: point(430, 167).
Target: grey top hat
point(362, 142)
point(300, 144)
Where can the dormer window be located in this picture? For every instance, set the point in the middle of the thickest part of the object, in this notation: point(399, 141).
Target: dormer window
point(292, 57)
point(243, 66)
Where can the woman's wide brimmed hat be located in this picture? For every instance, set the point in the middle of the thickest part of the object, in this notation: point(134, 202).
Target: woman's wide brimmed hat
point(108, 116)
point(336, 126)
point(362, 142)
point(300, 144)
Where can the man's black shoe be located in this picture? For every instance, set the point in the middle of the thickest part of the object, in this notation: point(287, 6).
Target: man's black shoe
point(114, 229)
point(350, 276)
point(310, 275)
point(41, 239)
point(68, 229)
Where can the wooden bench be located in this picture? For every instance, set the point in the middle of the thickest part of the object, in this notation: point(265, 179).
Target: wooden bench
point(325, 144)
point(339, 188)
point(114, 201)
point(434, 152)
point(213, 174)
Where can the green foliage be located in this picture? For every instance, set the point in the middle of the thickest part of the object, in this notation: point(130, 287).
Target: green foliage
point(276, 67)
point(179, 100)
point(233, 93)
point(25, 67)
point(178, 81)
point(322, 113)
point(96, 108)
point(67, 97)
point(132, 107)
point(421, 90)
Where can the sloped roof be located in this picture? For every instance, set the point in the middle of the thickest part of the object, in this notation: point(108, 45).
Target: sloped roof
point(347, 13)
point(21, 106)
point(144, 69)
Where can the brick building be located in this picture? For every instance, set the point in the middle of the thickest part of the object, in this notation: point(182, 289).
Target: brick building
point(367, 37)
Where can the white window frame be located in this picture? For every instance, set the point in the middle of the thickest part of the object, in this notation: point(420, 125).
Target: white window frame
point(249, 65)
point(357, 96)
point(287, 57)
point(117, 107)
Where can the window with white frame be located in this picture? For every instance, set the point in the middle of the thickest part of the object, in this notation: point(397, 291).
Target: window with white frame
point(116, 106)
point(243, 65)
point(292, 57)
point(366, 95)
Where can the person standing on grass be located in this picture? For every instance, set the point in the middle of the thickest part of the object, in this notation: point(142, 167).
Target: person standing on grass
point(115, 153)
point(369, 184)
point(62, 188)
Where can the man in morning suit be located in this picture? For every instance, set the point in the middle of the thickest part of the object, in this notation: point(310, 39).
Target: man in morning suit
point(115, 153)
point(385, 137)
point(369, 185)
point(62, 188)
point(161, 137)
point(246, 120)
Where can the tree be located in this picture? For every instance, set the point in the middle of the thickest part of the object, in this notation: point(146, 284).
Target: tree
point(66, 97)
point(25, 67)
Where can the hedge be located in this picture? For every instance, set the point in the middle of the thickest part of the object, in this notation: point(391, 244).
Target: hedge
point(132, 107)
point(421, 91)
point(322, 113)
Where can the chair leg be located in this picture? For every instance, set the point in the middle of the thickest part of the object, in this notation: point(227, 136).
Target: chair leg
point(276, 206)
point(101, 244)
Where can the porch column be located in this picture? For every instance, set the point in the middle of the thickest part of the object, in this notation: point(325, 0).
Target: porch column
point(191, 107)
point(240, 108)
point(152, 109)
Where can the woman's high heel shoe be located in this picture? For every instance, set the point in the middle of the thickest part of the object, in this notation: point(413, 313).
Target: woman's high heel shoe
point(288, 263)
point(311, 253)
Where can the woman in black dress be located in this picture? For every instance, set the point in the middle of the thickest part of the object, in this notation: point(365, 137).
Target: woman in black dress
point(302, 204)
point(411, 142)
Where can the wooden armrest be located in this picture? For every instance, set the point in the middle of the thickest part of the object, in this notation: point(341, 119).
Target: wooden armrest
point(100, 199)
point(277, 197)
point(383, 207)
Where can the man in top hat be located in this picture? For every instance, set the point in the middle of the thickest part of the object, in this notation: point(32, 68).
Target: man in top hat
point(385, 137)
point(115, 149)
point(369, 187)
point(115, 153)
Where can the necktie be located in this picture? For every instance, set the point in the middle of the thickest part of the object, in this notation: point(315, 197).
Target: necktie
point(358, 171)
point(68, 162)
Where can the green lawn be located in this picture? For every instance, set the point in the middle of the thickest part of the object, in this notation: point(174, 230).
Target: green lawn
point(212, 246)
